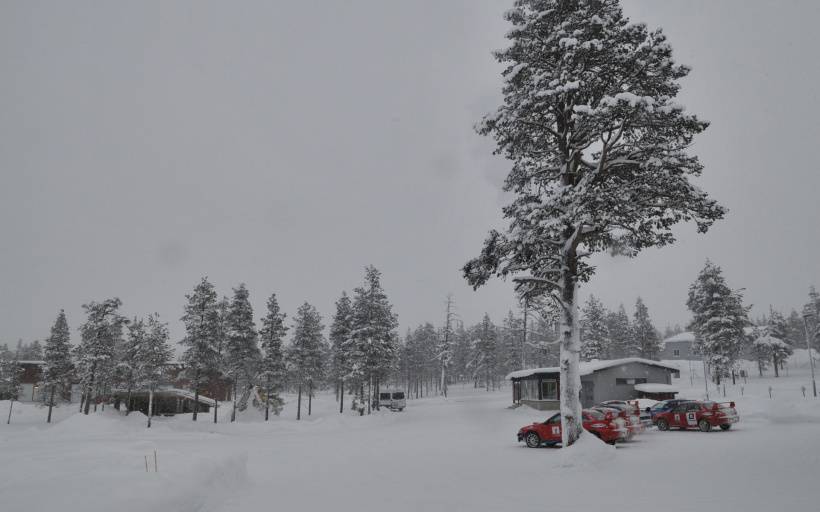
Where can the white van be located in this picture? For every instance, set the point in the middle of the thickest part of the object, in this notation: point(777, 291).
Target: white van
point(394, 400)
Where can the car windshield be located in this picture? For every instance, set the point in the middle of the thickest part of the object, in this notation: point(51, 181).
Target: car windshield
point(399, 395)
point(595, 415)
point(384, 396)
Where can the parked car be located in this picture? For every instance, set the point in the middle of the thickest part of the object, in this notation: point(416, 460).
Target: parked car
point(627, 412)
point(548, 433)
point(664, 406)
point(634, 409)
point(700, 415)
point(394, 400)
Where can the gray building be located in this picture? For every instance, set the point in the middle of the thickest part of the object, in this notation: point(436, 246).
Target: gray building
point(540, 388)
point(679, 347)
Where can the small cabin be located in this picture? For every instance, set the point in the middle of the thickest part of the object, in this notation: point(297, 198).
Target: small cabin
point(619, 379)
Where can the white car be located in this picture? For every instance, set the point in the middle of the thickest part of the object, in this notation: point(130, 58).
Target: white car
point(394, 400)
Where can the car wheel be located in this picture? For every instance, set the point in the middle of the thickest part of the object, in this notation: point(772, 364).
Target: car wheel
point(704, 426)
point(727, 426)
point(532, 439)
point(663, 425)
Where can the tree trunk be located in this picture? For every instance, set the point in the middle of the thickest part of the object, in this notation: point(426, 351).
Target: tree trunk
point(299, 404)
point(341, 396)
point(369, 393)
point(776, 369)
point(196, 393)
point(233, 411)
point(150, 405)
point(11, 404)
point(128, 402)
point(760, 367)
point(88, 391)
point(50, 403)
point(267, 398)
point(570, 348)
point(310, 397)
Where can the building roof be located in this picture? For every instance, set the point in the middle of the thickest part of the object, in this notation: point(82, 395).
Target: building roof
point(589, 367)
point(651, 387)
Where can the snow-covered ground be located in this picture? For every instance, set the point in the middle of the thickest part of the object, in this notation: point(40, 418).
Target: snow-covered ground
point(454, 454)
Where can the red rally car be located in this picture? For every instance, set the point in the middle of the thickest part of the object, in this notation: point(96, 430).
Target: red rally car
point(548, 433)
point(700, 415)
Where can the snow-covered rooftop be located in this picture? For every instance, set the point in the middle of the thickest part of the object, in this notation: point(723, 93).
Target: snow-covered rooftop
point(650, 387)
point(682, 336)
point(589, 367)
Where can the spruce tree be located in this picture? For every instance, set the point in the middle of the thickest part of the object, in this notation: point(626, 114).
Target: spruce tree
point(306, 352)
point(485, 346)
point(10, 374)
point(511, 343)
point(600, 157)
point(241, 350)
point(58, 367)
point(595, 340)
point(100, 334)
point(340, 336)
point(719, 319)
point(202, 335)
point(374, 339)
point(272, 368)
point(644, 333)
point(620, 333)
point(151, 358)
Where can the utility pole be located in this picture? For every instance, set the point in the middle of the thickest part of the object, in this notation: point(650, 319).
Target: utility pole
point(806, 315)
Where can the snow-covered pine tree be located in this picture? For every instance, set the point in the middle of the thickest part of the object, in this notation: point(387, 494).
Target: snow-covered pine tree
point(272, 368)
point(444, 350)
point(644, 333)
point(340, 333)
point(719, 319)
point(306, 352)
point(10, 374)
point(620, 334)
point(374, 334)
point(777, 329)
point(58, 367)
point(218, 370)
point(127, 358)
point(511, 343)
point(485, 359)
point(241, 350)
point(595, 340)
point(599, 153)
point(202, 335)
point(100, 334)
point(151, 358)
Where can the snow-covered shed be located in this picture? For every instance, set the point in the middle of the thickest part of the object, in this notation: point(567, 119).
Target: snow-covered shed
point(167, 401)
point(600, 380)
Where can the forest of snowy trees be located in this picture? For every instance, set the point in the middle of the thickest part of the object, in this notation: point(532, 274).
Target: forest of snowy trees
point(358, 351)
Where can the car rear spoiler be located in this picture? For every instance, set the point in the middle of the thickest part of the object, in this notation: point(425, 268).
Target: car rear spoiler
point(717, 405)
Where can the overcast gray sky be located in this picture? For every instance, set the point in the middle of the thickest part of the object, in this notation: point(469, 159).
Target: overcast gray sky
point(289, 144)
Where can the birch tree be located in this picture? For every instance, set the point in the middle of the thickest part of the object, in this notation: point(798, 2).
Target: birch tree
point(599, 153)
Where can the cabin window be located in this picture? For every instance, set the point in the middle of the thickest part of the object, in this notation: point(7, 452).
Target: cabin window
point(676, 352)
point(549, 390)
point(629, 382)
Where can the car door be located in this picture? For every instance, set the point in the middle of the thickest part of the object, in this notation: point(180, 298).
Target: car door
point(550, 431)
point(692, 415)
point(677, 418)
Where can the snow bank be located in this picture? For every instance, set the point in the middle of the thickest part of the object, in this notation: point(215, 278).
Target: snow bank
point(587, 453)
